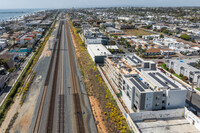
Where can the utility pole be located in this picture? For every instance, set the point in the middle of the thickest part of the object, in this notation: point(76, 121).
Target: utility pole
point(191, 92)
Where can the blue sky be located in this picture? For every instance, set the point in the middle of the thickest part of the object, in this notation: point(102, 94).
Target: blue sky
point(7, 4)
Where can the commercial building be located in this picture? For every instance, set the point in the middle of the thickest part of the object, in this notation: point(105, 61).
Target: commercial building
point(94, 36)
point(111, 30)
point(186, 68)
point(97, 52)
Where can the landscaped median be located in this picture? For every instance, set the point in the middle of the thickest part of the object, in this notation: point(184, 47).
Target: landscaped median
point(97, 90)
point(18, 86)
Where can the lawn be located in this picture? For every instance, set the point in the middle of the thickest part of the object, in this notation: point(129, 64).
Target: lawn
point(198, 89)
point(136, 32)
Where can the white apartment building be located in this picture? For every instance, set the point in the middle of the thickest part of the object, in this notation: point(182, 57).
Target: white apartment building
point(142, 86)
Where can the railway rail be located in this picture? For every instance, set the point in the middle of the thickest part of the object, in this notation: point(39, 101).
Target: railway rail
point(39, 114)
point(54, 90)
point(76, 94)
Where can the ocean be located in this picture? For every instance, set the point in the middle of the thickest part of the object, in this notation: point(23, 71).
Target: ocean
point(6, 14)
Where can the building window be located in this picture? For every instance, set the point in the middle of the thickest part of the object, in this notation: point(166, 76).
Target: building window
point(158, 97)
point(163, 95)
point(168, 103)
point(157, 104)
point(163, 101)
point(123, 88)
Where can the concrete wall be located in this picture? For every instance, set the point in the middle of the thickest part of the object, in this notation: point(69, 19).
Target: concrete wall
point(175, 99)
point(91, 54)
point(126, 100)
point(141, 116)
point(163, 114)
point(131, 124)
point(99, 59)
point(157, 100)
point(193, 119)
point(149, 101)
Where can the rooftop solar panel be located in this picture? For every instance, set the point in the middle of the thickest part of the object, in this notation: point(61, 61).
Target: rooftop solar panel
point(157, 79)
point(170, 82)
point(136, 84)
point(137, 59)
point(141, 83)
point(132, 60)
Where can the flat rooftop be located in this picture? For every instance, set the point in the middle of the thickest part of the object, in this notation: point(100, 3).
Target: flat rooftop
point(98, 50)
point(134, 60)
point(147, 80)
point(173, 125)
point(124, 64)
point(159, 80)
point(186, 63)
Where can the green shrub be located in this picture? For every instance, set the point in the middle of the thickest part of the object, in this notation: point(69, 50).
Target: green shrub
point(171, 71)
point(181, 75)
point(10, 70)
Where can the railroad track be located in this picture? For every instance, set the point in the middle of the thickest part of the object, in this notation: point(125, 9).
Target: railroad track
point(39, 114)
point(50, 121)
point(54, 90)
point(76, 96)
point(61, 120)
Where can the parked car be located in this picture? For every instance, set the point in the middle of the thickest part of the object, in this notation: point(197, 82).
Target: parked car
point(162, 70)
point(189, 54)
point(160, 62)
point(160, 57)
point(168, 57)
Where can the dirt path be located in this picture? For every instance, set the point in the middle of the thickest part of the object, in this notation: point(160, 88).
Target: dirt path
point(24, 119)
point(13, 109)
point(98, 115)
